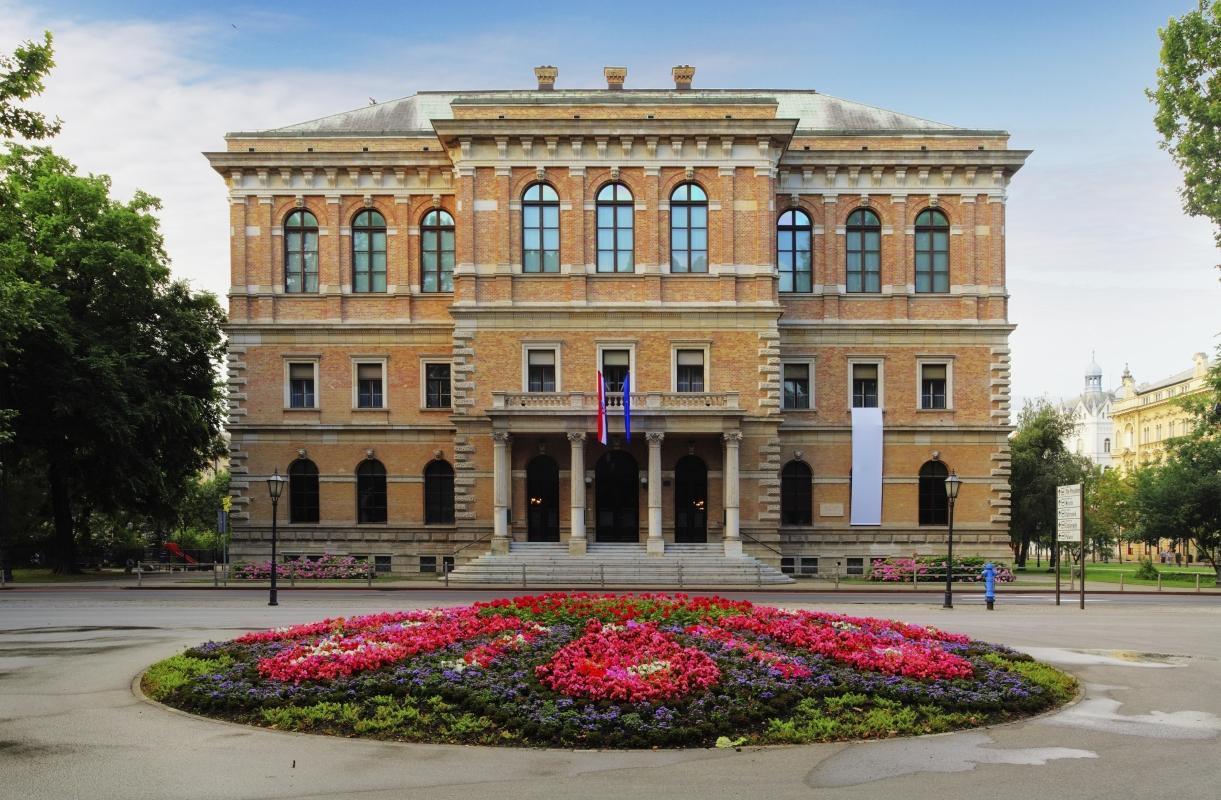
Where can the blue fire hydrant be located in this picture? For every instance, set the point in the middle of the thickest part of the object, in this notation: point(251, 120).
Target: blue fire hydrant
point(989, 584)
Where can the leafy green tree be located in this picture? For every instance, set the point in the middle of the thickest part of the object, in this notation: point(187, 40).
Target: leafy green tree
point(21, 76)
point(1188, 100)
point(1109, 514)
point(116, 387)
point(1039, 462)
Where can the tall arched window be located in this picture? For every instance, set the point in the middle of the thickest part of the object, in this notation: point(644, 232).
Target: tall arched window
point(369, 252)
point(932, 251)
point(689, 229)
point(615, 230)
point(371, 491)
point(796, 495)
point(302, 491)
point(795, 251)
point(934, 506)
point(863, 253)
point(301, 252)
point(437, 251)
point(438, 493)
point(540, 229)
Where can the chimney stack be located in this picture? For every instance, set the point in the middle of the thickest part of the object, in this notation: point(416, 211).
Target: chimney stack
point(615, 76)
point(682, 76)
point(546, 77)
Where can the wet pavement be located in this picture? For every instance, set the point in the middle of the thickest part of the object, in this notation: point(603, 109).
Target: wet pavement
point(70, 725)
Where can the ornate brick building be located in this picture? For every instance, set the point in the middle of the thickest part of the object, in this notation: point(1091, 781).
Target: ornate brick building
point(424, 290)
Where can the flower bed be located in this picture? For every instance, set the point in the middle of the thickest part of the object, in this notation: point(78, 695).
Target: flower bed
point(586, 670)
point(931, 568)
point(326, 567)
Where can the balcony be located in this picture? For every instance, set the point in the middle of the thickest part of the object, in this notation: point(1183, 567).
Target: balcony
point(643, 403)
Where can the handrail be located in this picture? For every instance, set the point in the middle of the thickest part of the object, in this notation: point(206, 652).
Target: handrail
point(761, 542)
point(470, 543)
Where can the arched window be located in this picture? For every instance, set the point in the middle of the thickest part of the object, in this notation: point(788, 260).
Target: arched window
point(438, 493)
point(934, 504)
point(795, 251)
point(689, 229)
point(302, 491)
point(796, 496)
point(1106, 445)
point(437, 252)
point(540, 229)
point(371, 491)
point(863, 253)
point(932, 251)
point(615, 229)
point(369, 252)
point(301, 252)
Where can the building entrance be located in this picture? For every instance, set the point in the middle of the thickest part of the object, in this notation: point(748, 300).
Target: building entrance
point(690, 500)
point(543, 500)
point(617, 498)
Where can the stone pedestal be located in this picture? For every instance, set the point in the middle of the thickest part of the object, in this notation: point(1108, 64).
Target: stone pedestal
point(576, 490)
point(656, 545)
point(733, 541)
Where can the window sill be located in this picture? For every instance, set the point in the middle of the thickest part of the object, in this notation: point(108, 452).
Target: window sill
point(372, 523)
point(299, 409)
point(446, 409)
point(366, 409)
point(934, 410)
point(810, 410)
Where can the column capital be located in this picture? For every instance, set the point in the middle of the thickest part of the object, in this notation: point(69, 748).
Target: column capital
point(732, 437)
point(501, 436)
point(578, 436)
point(655, 437)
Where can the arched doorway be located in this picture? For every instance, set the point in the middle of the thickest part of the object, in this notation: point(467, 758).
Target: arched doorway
point(690, 500)
point(617, 497)
point(543, 500)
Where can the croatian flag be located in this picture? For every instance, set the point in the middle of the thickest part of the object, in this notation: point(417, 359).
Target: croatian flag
point(601, 408)
point(627, 405)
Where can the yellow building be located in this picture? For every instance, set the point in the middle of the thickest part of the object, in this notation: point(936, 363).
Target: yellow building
point(1145, 418)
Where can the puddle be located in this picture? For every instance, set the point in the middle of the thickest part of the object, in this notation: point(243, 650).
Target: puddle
point(876, 761)
point(1104, 658)
point(1102, 714)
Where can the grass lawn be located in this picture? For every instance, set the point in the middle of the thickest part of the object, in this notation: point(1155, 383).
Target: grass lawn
point(44, 575)
point(1110, 572)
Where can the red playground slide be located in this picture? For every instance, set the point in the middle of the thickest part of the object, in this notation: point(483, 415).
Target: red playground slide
point(175, 551)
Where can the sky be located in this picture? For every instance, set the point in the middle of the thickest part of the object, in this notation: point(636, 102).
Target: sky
point(1100, 256)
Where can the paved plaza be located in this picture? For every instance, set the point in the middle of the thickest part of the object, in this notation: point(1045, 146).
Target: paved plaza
point(71, 726)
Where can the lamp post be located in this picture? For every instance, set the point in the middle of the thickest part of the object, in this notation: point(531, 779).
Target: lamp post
point(275, 485)
point(951, 491)
point(5, 570)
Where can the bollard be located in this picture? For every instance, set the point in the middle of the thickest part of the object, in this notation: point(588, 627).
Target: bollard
point(1121, 581)
point(915, 579)
point(139, 576)
point(759, 576)
point(369, 573)
point(602, 575)
point(837, 578)
point(523, 576)
point(1197, 581)
point(989, 584)
point(1159, 581)
point(215, 576)
point(680, 574)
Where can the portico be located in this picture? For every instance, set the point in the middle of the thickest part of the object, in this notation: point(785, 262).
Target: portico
point(686, 440)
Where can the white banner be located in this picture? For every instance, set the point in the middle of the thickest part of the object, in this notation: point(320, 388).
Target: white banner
point(866, 466)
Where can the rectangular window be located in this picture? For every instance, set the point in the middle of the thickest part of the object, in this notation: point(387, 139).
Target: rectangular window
point(437, 385)
point(689, 373)
point(369, 383)
point(934, 381)
point(381, 565)
point(787, 565)
point(615, 364)
point(797, 386)
point(865, 385)
point(856, 566)
point(301, 391)
point(428, 563)
point(809, 566)
point(540, 370)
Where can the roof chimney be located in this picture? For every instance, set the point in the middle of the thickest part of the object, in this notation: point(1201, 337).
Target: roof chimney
point(615, 76)
point(682, 76)
point(546, 77)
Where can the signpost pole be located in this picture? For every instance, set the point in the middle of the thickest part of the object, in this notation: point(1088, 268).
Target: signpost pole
point(1055, 553)
point(1081, 497)
point(1070, 530)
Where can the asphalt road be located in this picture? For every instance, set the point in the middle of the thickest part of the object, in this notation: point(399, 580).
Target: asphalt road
point(71, 727)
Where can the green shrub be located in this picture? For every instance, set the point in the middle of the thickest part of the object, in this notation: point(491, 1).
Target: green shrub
point(164, 677)
point(1146, 571)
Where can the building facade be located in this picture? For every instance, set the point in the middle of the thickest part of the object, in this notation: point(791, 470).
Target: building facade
point(424, 291)
point(1094, 435)
point(1147, 416)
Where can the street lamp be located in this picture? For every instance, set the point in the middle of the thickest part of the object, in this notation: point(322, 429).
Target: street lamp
point(275, 485)
point(951, 491)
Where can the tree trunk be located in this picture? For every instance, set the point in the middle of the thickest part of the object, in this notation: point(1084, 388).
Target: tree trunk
point(61, 509)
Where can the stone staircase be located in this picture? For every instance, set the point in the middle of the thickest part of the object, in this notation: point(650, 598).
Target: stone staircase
point(548, 564)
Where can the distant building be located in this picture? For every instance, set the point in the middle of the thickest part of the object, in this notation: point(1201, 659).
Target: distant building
point(1147, 416)
point(1093, 437)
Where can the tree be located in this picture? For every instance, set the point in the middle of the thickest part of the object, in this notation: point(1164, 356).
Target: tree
point(21, 76)
point(1109, 513)
point(1039, 462)
point(1188, 100)
point(115, 388)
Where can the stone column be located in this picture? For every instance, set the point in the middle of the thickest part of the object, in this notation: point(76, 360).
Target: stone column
point(656, 544)
point(733, 540)
point(576, 536)
point(501, 491)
